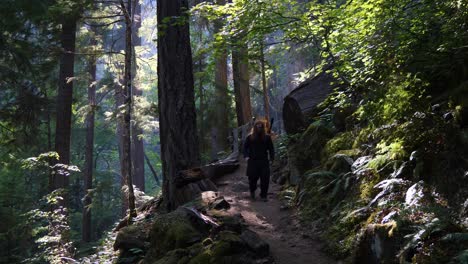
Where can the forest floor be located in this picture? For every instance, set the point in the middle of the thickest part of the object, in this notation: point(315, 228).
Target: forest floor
point(289, 241)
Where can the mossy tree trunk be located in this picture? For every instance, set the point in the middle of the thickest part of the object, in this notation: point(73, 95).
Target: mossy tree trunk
point(126, 168)
point(137, 142)
point(177, 117)
point(221, 98)
point(88, 173)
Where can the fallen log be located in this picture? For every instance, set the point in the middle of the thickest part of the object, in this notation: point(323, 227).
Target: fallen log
point(300, 105)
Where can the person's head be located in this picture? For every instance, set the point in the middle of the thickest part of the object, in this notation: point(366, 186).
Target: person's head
point(259, 129)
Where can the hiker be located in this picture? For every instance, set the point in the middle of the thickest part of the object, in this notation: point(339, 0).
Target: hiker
point(257, 146)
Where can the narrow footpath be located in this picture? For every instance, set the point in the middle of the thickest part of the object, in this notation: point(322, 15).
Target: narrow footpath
point(290, 243)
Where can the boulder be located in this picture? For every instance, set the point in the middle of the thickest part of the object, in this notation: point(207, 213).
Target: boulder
point(379, 245)
point(176, 230)
point(360, 163)
point(220, 204)
point(414, 195)
point(227, 247)
point(339, 164)
point(134, 236)
point(391, 190)
point(255, 243)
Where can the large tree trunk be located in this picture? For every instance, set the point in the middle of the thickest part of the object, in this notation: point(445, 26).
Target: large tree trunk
point(88, 173)
point(126, 146)
point(178, 132)
point(221, 105)
point(138, 148)
point(240, 72)
point(64, 101)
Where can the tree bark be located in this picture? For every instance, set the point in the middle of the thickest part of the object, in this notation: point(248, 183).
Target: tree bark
point(137, 141)
point(178, 132)
point(64, 100)
point(221, 91)
point(88, 173)
point(240, 72)
point(266, 99)
point(127, 170)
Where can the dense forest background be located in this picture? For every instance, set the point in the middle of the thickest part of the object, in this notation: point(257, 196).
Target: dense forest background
point(80, 108)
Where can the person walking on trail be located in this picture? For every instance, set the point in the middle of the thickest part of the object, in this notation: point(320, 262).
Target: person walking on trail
point(257, 146)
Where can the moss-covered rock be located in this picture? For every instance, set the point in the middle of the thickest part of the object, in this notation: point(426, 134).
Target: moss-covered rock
point(339, 163)
point(304, 152)
point(227, 247)
point(379, 244)
point(176, 230)
point(342, 141)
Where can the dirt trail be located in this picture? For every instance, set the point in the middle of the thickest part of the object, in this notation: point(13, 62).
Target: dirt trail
point(289, 242)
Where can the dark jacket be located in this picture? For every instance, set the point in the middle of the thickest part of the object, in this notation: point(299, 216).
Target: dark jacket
point(259, 149)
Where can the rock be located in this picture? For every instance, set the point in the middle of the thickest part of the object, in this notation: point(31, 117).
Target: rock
point(219, 204)
point(176, 230)
point(390, 187)
point(339, 164)
point(177, 256)
point(389, 217)
point(131, 237)
point(448, 116)
point(436, 108)
point(405, 171)
point(255, 243)
point(360, 163)
point(414, 195)
point(378, 245)
point(357, 215)
point(227, 243)
point(415, 156)
point(234, 223)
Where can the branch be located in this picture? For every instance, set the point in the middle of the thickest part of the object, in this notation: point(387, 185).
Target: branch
point(103, 17)
point(103, 25)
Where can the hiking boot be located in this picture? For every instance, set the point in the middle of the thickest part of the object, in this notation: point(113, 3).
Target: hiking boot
point(252, 195)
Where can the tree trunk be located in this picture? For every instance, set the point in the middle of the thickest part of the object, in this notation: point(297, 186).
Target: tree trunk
point(64, 101)
point(221, 98)
point(177, 117)
point(240, 72)
point(119, 101)
point(88, 173)
point(137, 141)
point(126, 146)
point(266, 100)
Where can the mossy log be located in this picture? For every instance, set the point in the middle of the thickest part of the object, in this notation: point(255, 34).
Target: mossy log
point(300, 105)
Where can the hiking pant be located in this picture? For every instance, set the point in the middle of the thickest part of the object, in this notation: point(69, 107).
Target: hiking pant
point(259, 169)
